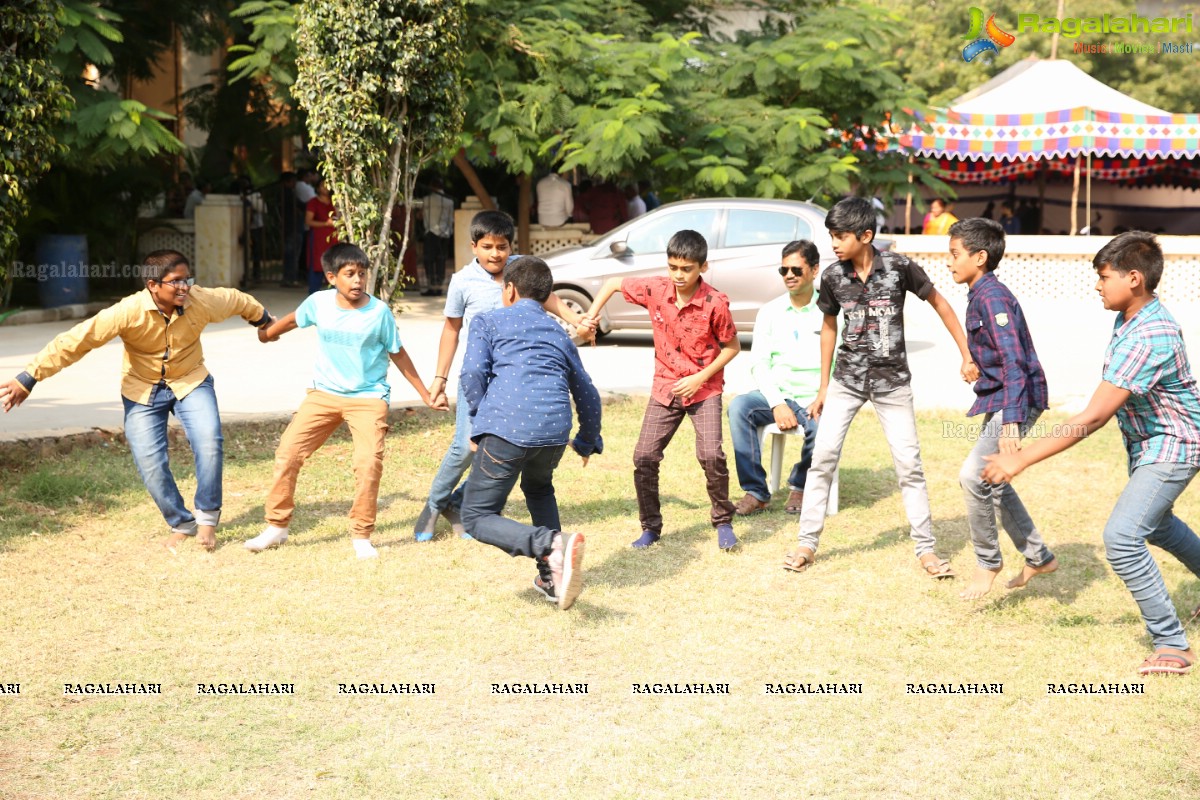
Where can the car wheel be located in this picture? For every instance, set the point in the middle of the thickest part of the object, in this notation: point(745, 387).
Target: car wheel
point(579, 302)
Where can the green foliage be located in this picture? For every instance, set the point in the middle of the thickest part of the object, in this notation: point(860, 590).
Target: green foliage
point(272, 49)
point(104, 128)
point(380, 82)
point(32, 102)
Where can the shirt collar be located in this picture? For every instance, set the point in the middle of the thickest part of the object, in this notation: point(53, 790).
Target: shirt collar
point(149, 304)
point(1144, 313)
point(790, 307)
point(985, 280)
point(876, 263)
point(702, 291)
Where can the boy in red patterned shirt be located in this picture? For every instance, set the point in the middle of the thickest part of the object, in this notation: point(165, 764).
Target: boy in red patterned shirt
point(694, 338)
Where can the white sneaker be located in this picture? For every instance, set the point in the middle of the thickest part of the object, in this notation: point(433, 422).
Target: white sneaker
point(364, 549)
point(271, 537)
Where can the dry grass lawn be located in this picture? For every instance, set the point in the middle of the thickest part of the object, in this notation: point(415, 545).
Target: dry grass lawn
point(89, 597)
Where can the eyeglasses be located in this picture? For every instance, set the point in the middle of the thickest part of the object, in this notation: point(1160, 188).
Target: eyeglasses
point(179, 284)
point(796, 271)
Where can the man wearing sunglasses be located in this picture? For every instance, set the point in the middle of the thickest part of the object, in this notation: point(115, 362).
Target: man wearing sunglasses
point(163, 373)
point(786, 368)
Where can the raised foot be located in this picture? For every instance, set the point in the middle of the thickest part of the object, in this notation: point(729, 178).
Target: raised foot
point(1027, 573)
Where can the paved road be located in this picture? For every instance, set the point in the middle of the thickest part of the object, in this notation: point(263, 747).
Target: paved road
point(254, 379)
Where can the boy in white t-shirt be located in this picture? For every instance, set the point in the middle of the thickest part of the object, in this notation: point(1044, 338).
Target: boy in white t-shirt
point(358, 336)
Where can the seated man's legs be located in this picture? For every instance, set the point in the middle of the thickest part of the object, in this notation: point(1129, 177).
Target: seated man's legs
point(799, 476)
point(747, 413)
point(146, 433)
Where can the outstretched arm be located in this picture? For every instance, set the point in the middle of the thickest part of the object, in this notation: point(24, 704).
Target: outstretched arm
point(610, 287)
point(969, 371)
point(277, 328)
point(1100, 409)
point(447, 346)
point(409, 371)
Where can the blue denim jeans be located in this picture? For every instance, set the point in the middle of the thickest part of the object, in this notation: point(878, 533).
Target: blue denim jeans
point(985, 500)
point(497, 465)
point(443, 493)
point(146, 432)
point(747, 413)
point(1143, 515)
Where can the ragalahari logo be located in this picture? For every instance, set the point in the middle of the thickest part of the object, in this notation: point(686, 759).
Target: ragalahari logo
point(985, 38)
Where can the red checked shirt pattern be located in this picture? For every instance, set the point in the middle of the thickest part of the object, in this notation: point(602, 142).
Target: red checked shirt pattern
point(686, 340)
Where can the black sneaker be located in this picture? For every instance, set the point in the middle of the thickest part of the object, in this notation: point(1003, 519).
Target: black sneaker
point(544, 582)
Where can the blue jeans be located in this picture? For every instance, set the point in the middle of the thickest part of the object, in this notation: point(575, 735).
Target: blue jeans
point(1143, 515)
point(985, 500)
point(146, 432)
point(498, 463)
point(747, 413)
point(442, 492)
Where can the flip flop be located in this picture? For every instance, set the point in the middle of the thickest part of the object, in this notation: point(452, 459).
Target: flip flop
point(795, 502)
point(799, 559)
point(937, 568)
point(1177, 664)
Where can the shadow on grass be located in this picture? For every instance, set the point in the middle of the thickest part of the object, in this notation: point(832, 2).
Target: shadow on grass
point(949, 534)
point(1079, 566)
point(858, 487)
point(670, 556)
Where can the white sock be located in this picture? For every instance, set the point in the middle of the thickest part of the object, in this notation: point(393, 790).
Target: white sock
point(271, 536)
point(364, 549)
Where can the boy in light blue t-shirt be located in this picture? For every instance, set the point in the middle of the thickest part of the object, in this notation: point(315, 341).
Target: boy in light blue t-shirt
point(358, 337)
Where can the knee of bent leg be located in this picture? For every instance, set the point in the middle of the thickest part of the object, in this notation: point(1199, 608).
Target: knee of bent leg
point(646, 458)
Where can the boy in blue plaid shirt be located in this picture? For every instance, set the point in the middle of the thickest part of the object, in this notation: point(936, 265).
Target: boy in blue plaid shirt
point(1010, 393)
point(1148, 384)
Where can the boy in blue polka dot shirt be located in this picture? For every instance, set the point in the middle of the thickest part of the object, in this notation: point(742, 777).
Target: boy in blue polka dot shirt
point(519, 374)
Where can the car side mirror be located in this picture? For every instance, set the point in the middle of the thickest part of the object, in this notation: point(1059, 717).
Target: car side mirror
point(619, 248)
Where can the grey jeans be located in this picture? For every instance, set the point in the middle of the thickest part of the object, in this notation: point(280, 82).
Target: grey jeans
point(984, 501)
point(896, 415)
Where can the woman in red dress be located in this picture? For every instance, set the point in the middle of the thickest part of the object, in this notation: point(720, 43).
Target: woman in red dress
point(318, 217)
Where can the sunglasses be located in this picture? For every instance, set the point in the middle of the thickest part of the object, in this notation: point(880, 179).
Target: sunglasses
point(796, 271)
point(179, 284)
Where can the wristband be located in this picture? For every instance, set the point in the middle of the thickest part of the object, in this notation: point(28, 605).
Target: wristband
point(443, 377)
point(27, 381)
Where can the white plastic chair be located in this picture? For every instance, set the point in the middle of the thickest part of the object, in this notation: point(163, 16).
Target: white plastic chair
point(775, 474)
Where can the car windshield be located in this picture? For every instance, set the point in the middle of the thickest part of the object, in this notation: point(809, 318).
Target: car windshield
point(653, 235)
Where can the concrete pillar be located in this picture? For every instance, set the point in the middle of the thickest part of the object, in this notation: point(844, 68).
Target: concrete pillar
point(219, 257)
point(462, 231)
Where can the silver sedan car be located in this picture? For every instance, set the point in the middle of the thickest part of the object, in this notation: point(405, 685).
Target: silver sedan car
point(745, 238)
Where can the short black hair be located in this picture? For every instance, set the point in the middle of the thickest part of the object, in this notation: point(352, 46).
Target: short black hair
point(343, 254)
point(156, 265)
point(689, 246)
point(492, 223)
point(853, 215)
point(978, 234)
point(531, 277)
point(807, 250)
point(1133, 251)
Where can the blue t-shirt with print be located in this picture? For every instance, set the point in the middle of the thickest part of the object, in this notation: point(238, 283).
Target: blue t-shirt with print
point(354, 345)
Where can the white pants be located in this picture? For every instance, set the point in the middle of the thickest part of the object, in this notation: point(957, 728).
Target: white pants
point(895, 412)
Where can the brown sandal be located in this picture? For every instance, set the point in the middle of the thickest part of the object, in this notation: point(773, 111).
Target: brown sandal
point(936, 567)
point(799, 559)
point(795, 501)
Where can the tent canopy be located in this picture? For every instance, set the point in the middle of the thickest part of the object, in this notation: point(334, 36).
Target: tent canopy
point(1047, 114)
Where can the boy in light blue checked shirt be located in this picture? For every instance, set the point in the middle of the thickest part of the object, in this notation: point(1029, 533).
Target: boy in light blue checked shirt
point(1148, 385)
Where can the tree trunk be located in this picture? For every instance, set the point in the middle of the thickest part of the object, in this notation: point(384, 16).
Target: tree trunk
point(464, 166)
point(524, 201)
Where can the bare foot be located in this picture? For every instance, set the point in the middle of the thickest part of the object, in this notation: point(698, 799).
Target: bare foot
point(1027, 573)
point(172, 542)
point(981, 583)
point(206, 537)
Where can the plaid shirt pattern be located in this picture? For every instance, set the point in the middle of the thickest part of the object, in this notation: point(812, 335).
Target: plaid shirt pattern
point(1160, 421)
point(686, 340)
point(1011, 379)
